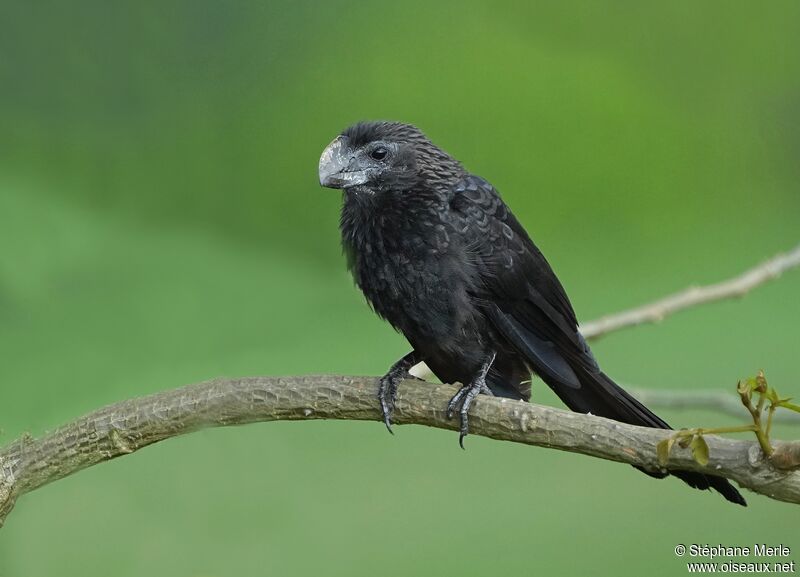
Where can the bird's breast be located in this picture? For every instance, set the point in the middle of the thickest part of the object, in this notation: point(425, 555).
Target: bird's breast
point(411, 269)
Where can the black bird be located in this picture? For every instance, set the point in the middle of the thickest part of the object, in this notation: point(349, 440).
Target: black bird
point(439, 255)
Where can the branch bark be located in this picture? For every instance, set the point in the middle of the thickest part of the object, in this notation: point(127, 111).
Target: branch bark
point(125, 427)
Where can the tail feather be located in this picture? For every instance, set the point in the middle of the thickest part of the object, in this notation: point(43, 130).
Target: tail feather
point(601, 396)
point(572, 372)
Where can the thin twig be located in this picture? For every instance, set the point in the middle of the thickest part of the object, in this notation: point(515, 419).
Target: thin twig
point(718, 401)
point(125, 427)
point(658, 310)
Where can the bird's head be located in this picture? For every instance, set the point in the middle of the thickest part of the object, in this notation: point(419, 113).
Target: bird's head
point(380, 156)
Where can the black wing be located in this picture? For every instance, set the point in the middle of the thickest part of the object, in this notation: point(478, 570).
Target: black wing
point(528, 306)
point(526, 303)
point(518, 289)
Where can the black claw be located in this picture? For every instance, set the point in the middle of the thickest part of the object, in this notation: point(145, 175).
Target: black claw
point(464, 421)
point(387, 409)
point(387, 394)
point(465, 396)
point(387, 412)
point(462, 401)
point(387, 401)
point(455, 402)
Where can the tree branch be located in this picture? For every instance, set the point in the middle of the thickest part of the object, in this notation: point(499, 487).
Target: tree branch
point(125, 427)
point(693, 296)
point(27, 463)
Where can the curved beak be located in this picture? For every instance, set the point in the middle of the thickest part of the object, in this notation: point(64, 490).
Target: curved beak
point(338, 167)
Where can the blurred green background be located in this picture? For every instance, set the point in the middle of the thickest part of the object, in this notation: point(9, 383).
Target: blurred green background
point(161, 223)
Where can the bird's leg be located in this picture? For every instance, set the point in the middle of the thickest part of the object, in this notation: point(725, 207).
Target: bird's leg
point(387, 392)
point(467, 394)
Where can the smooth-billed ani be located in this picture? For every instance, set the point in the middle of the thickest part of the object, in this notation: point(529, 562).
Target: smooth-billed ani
point(439, 255)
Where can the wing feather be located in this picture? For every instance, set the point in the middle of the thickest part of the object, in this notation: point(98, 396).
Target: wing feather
point(518, 288)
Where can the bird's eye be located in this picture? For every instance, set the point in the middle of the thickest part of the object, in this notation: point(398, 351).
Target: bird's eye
point(379, 153)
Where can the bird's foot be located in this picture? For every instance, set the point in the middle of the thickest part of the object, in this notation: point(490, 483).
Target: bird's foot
point(387, 391)
point(462, 400)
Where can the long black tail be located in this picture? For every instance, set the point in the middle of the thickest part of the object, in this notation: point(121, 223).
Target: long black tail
point(601, 396)
point(572, 372)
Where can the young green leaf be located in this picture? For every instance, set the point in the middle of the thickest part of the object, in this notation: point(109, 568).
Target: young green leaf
point(663, 449)
point(791, 406)
point(742, 387)
point(761, 382)
point(772, 395)
point(700, 450)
